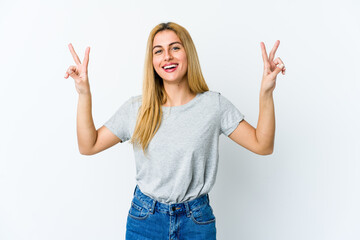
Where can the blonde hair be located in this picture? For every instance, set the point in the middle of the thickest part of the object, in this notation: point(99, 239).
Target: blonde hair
point(153, 92)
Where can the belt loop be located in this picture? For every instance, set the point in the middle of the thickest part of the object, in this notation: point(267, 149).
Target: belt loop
point(152, 208)
point(188, 212)
point(135, 190)
point(207, 195)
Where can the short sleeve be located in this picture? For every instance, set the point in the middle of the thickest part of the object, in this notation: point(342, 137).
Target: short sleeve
point(230, 116)
point(119, 122)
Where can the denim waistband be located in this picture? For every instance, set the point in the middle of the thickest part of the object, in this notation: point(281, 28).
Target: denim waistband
point(171, 209)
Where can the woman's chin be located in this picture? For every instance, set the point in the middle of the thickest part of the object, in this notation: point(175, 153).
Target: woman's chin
point(172, 80)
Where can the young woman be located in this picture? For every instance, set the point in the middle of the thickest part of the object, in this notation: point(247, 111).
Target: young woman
point(174, 127)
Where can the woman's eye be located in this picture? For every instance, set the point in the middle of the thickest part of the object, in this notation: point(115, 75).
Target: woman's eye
point(159, 51)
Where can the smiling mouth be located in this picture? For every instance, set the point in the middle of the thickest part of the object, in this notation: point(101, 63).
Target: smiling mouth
point(170, 68)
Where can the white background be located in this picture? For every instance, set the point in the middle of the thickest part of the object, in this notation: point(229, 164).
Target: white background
point(307, 189)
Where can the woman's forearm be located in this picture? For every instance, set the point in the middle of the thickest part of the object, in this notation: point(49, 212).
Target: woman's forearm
point(86, 132)
point(265, 131)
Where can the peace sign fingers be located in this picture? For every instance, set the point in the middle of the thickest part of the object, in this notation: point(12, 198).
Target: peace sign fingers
point(79, 72)
point(271, 68)
point(75, 56)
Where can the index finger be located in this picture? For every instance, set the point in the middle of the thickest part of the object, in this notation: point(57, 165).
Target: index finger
point(273, 51)
point(264, 55)
point(75, 56)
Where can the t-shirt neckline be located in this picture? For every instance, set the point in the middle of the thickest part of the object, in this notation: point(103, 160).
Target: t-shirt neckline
point(192, 101)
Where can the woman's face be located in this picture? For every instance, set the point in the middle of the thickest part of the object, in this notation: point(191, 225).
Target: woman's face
point(169, 57)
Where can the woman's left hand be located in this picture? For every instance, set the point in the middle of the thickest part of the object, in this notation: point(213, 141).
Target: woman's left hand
point(271, 68)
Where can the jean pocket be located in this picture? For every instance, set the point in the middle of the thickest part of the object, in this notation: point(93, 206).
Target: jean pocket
point(138, 211)
point(203, 214)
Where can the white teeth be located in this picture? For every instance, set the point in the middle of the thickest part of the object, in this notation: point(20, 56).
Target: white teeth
point(170, 66)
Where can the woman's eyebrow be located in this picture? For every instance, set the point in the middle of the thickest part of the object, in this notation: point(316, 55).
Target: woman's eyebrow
point(169, 44)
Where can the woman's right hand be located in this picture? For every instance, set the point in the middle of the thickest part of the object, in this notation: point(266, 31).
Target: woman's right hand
point(79, 72)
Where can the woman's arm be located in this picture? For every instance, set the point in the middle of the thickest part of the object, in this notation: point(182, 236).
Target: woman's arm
point(261, 139)
point(90, 140)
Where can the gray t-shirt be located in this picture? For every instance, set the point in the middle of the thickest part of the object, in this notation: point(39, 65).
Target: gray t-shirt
point(182, 158)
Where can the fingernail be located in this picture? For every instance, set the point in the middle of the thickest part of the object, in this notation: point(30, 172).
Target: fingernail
point(280, 66)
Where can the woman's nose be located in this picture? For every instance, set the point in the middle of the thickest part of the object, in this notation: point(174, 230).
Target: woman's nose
point(168, 55)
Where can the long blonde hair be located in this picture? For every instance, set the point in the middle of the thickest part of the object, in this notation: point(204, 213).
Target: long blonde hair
point(153, 92)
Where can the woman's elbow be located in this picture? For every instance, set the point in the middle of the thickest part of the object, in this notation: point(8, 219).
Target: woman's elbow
point(85, 152)
point(266, 151)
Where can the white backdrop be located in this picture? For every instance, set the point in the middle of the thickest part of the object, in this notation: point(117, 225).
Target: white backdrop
point(307, 189)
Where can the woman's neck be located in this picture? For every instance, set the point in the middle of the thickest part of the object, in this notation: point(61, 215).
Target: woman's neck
point(178, 94)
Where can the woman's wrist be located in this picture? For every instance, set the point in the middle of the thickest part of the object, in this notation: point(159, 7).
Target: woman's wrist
point(264, 93)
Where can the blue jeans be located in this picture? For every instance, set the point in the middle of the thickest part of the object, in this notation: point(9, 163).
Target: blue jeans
point(149, 219)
